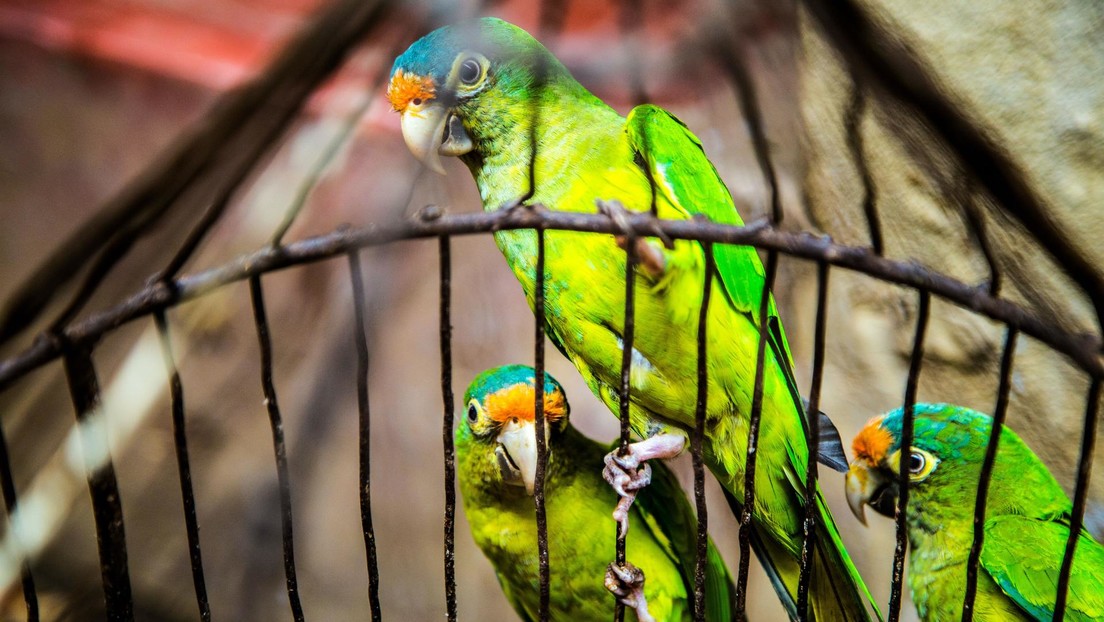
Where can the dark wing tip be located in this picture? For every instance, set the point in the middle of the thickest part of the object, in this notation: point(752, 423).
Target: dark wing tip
point(830, 451)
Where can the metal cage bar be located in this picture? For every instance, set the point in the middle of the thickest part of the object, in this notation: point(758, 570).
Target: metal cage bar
point(77, 339)
point(7, 486)
point(183, 465)
point(276, 422)
point(808, 540)
point(915, 363)
point(753, 438)
point(1080, 495)
point(107, 505)
point(697, 438)
point(999, 412)
point(852, 125)
point(449, 446)
point(544, 570)
point(364, 443)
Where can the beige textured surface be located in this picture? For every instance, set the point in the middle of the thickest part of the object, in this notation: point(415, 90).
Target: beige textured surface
point(1029, 73)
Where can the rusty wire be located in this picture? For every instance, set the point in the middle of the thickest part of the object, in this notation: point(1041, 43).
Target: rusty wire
point(543, 568)
point(809, 526)
point(696, 439)
point(183, 465)
point(1004, 387)
point(364, 422)
point(915, 362)
point(754, 420)
point(107, 504)
point(449, 446)
point(276, 422)
point(1080, 494)
point(7, 485)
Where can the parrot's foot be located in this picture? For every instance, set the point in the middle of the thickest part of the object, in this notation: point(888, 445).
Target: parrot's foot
point(626, 582)
point(629, 473)
point(651, 259)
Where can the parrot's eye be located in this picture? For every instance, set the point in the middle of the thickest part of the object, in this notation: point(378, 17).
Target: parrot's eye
point(920, 464)
point(916, 463)
point(473, 412)
point(470, 71)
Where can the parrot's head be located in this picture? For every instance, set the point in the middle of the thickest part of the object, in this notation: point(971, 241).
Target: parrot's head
point(499, 421)
point(943, 463)
point(462, 88)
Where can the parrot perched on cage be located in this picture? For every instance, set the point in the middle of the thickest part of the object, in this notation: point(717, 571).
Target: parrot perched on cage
point(496, 465)
point(489, 93)
point(1027, 518)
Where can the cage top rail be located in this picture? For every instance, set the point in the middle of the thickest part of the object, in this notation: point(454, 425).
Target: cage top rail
point(1082, 349)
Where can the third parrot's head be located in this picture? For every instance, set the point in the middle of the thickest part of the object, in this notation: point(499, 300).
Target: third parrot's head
point(499, 421)
point(461, 88)
point(943, 464)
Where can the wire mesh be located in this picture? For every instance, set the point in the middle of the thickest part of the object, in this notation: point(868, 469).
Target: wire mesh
point(73, 341)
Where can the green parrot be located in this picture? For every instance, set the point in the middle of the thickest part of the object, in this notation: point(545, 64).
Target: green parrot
point(496, 460)
point(480, 91)
point(1027, 518)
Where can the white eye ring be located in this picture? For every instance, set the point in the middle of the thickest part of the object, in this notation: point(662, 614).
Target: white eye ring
point(473, 412)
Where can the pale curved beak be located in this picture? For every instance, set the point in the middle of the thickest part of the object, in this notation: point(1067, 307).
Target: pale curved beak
point(516, 453)
point(431, 131)
point(860, 483)
point(866, 485)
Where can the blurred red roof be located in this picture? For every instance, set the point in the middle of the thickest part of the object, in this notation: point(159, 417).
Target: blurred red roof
point(214, 43)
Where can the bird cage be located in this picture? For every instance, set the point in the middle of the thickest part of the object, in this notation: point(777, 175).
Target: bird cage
point(62, 315)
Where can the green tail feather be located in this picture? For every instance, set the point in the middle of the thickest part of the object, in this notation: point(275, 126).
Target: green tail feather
point(835, 586)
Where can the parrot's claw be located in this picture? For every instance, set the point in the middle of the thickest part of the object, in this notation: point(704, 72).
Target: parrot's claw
point(629, 473)
point(626, 582)
point(627, 476)
point(650, 258)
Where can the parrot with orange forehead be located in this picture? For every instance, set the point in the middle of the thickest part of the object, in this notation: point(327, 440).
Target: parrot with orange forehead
point(496, 459)
point(490, 94)
point(1027, 517)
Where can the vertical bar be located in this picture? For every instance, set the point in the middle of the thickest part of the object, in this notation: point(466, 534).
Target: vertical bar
point(364, 422)
point(183, 466)
point(1080, 494)
point(7, 485)
point(753, 438)
point(542, 448)
point(632, 27)
point(906, 442)
point(813, 417)
point(749, 106)
point(260, 319)
point(107, 507)
point(977, 225)
point(446, 426)
point(852, 127)
point(624, 392)
point(702, 548)
point(987, 472)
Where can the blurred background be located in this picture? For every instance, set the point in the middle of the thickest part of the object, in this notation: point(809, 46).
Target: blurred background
point(92, 91)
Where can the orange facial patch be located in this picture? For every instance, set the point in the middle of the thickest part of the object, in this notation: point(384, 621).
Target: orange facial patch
point(516, 402)
point(407, 88)
point(872, 442)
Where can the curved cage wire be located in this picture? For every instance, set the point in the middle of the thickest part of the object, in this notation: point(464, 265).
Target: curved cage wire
point(209, 168)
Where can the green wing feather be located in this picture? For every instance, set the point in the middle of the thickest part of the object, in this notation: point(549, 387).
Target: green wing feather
point(1023, 554)
point(668, 515)
point(676, 163)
